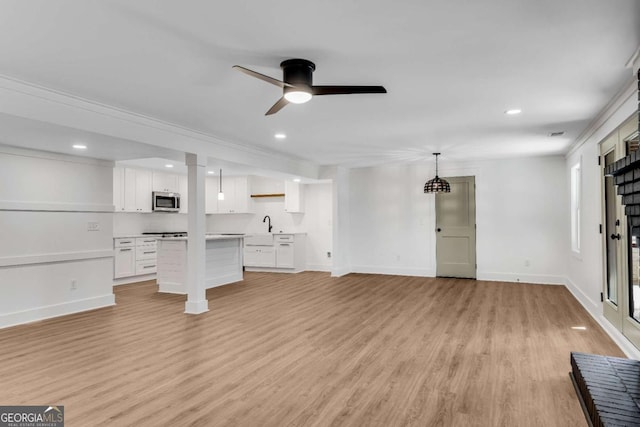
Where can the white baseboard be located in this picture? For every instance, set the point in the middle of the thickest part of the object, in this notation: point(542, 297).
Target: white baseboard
point(172, 288)
point(318, 267)
point(589, 304)
point(541, 279)
point(395, 271)
point(595, 310)
point(47, 312)
point(339, 272)
point(134, 279)
point(273, 270)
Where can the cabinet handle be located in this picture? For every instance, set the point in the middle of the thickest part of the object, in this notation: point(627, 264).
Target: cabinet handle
point(149, 252)
point(148, 266)
point(125, 250)
point(126, 241)
point(284, 244)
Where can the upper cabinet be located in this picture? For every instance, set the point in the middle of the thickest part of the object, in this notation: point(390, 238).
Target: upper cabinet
point(211, 195)
point(137, 190)
point(131, 190)
point(165, 182)
point(183, 190)
point(118, 189)
point(237, 195)
point(293, 197)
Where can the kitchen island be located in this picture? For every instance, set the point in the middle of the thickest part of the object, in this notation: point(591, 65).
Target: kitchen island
point(223, 262)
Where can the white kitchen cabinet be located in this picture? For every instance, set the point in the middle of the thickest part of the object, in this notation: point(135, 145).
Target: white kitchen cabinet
point(237, 195)
point(242, 195)
point(211, 195)
point(293, 197)
point(284, 255)
point(228, 188)
point(183, 189)
point(118, 189)
point(275, 252)
point(166, 182)
point(259, 256)
point(124, 263)
point(137, 190)
point(134, 256)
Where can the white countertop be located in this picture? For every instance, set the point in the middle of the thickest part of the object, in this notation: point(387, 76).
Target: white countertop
point(208, 237)
point(275, 234)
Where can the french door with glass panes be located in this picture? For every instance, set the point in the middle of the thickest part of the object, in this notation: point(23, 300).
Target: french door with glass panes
point(621, 284)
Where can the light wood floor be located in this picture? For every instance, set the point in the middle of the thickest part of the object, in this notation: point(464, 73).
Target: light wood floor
point(311, 350)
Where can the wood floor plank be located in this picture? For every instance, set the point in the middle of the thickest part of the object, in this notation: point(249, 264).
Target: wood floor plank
point(311, 350)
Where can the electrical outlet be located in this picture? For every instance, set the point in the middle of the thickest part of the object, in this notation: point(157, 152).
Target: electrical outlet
point(328, 254)
point(74, 284)
point(93, 226)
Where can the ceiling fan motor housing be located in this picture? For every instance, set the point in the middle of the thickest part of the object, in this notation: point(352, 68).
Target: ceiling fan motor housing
point(298, 72)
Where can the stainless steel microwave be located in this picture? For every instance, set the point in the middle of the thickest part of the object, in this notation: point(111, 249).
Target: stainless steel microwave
point(165, 202)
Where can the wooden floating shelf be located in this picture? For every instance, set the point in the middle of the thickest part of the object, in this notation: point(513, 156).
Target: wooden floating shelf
point(268, 195)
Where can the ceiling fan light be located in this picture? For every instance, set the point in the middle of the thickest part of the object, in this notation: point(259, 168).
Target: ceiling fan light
point(297, 96)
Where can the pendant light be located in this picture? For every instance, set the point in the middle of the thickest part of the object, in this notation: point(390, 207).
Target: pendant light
point(220, 193)
point(437, 184)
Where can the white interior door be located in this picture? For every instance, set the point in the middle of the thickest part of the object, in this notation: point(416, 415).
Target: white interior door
point(456, 229)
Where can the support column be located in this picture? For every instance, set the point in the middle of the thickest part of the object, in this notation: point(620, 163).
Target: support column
point(196, 293)
point(341, 223)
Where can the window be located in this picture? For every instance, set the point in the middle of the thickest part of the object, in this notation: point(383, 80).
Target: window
point(575, 207)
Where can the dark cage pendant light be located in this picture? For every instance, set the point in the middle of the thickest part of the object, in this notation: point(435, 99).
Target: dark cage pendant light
point(437, 184)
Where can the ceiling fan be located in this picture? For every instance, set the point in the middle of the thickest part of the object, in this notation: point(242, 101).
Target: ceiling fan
point(297, 84)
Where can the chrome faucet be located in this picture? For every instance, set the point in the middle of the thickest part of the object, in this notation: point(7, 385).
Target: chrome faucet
point(265, 220)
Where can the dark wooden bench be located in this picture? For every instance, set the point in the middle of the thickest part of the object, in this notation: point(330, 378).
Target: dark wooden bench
point(608, 389)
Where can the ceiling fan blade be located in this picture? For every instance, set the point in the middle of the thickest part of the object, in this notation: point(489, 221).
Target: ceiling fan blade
point(344, 90)
point(277, 106)
point(261, 76)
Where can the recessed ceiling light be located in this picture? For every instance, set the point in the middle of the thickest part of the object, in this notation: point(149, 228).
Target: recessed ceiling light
point(296, 179)
point(210, 172)
point(513, 111)
point(168, 165)
point(280, 136)
point(79, 147)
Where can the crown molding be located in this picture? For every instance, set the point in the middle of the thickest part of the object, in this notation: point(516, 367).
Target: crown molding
point(618, 109)
point(31, 101)
point(634, 61)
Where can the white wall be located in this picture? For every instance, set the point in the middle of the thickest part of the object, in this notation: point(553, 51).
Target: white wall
point(130, 223)
point(521, 214)
point(585, 277)
point(46, 203)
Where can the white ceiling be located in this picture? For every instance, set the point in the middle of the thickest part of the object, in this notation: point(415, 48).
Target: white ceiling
point(451, 69)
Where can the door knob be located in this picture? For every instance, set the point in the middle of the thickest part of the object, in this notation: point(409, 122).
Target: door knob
point(439, 230)
point(615, 236)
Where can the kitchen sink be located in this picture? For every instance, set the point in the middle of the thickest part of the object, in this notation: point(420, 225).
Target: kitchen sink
point(258, 240)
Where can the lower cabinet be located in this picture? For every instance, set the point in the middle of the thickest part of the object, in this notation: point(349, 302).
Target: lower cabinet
point(124, 262)
point(283, 253)
point(134, 257)
point(259, 256)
